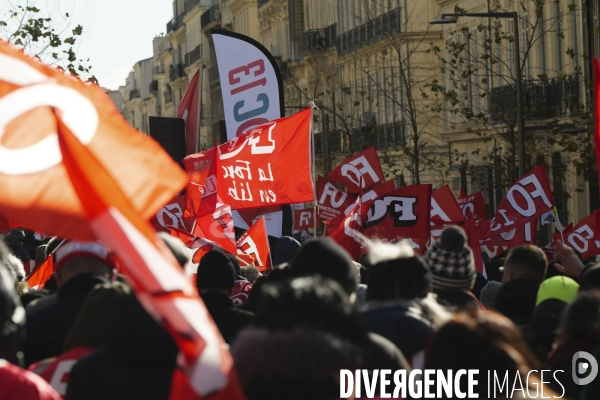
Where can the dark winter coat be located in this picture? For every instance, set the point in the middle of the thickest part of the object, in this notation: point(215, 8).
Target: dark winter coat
point(136, 363)
point(516, 300)
point(403, 323)
point(540, 333)
point(227, 317)
point(457, 299)
point(50, 318)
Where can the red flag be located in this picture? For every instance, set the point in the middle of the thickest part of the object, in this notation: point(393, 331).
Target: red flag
point(36, 192)
point(346, 234)
point(462, 192)
point(304, 219)
point(154, 275)
point(217, 227)
point(524, 233)
point(38, 279)
point(401, 213)
point(527, 199)
point(473, 205)
point(362, 168)
point(585, 236)
point(268, 165)
point(255, 242)
point(597, 113)
point(200, 183)
point(332, 200)
point(444, 211)
point(188, 110)
point(474, 244)
point(171, 216)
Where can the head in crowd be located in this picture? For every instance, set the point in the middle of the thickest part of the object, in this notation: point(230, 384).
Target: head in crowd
point(483, 340)
point(450, 261)
point(216, 273)
point(492, 269)
point(396, 272)
point(296, 365)
point(328, 259)
point(590, 278)
point(285, 250)
point(179, 250)
point(14, 241)
point(91, 325)
point(310, 302)
point(581, 320)
point(52, 244)
point(251, 273)
point(236, 265)
point(560, 288)
point(76, 258)
point(12, 314)
point(525, 262)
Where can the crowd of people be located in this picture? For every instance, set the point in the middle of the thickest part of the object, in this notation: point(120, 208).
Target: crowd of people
point(293, 329)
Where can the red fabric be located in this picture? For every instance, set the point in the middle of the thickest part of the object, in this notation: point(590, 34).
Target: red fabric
point(304, 219)
point(38, 279)
point(200, 184)
point(346, 234)
point(241, 292)
point(444, 208)
point(401, 213)
point(36, 191)
point(211, 200)
point(596, 77)
point(527, 199)
point(255, 242)
point(473, 237)
point(217, 227)
point(56, 373)
point(332, 200)
point(358, 172)
point(473, 204)
point(585, 236)
point(524, 233)
point(153, 272)
point(188, 110)
point(20, 384)
point(171, 216)
point(268, 165)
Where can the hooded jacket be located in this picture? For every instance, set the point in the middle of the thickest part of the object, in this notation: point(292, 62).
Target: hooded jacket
point(136, 363)
point(50, 318)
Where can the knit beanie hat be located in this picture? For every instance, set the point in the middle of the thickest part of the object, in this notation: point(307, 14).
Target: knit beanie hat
point(15, 237)
point(327, 258)
point(215, 271)
point(451, 261)
point(558, 287)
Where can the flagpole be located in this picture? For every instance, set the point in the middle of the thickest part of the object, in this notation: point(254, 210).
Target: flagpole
point(199, 111)
point(314, 166)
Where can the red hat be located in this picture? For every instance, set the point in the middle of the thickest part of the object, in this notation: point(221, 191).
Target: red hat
point(75, 248)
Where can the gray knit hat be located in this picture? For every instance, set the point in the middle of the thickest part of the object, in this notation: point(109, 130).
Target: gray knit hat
point(451, 261)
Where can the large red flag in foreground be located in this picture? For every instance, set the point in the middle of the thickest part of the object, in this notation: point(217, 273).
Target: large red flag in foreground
point(36, 192)
point(358, 172)
point(255, 243)
point(268, 165)
point(597, 113)
point(157, 281)
point(188, 110)
point(528, 198)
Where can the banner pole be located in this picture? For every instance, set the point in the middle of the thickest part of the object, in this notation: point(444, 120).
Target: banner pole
point(199, 111)
point(314, 166)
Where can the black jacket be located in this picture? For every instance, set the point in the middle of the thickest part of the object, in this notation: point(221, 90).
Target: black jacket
point(516, 300)
point(227, 317)
point(136, 363)
point(50, 318)
point(402, 322)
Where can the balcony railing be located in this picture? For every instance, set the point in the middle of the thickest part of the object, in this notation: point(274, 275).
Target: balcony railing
point(369, 32)
point(154, 86)
point(330, 34)
point(313, 40)
point(168, 97)
point(262, 3)
point(543, 99)
point(157, 69)
point(176, 72)
point(133, 94)
point(193, 55)
point(213, 74)
point(213, 14)
point(175, 23)
point(190, 4)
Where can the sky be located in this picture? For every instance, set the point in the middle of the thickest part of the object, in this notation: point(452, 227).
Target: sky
point(117, 33)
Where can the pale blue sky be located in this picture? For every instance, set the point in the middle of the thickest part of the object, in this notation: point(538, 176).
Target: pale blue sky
point(117, 33)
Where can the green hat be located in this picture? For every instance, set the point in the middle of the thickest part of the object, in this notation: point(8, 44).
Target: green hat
point(558, 287)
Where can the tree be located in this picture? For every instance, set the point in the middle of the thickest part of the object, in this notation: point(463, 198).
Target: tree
point(480, 98)
point(46, 35)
